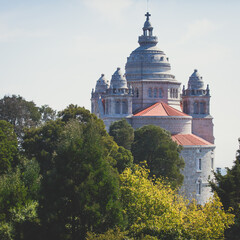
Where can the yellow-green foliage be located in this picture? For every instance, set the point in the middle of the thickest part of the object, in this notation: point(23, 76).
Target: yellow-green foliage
point(152, 208)
point(111, 234)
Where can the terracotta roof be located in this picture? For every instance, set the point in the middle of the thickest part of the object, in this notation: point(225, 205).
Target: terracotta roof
point(189, 140)
point(160, 109)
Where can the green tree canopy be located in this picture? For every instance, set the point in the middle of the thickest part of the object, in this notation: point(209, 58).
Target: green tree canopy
point(47, 113)
point(154, 144)
point(228, 190)
point(79, 113)
point(79, 162)
point(19, 112)
point(18, 200)
point(122, 133)
point(83, 186)
point(41, 143)
point(8, 147)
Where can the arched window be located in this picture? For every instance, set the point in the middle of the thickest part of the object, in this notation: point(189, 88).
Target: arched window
point(160, 93)
point(176, 93)
point(199, 187)
point(202, 107)
point(117, 107)
point(124, 107)
point(136, 92)
point(185, 107)
point(109, 106)
point(171, 93)
point(106, 106)
point(196, 108)
point(155, 93)
point(162, 58)
point(199, 164)
point(150, 92)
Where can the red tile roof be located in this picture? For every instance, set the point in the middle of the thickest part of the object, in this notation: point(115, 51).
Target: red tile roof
point(160, 109)
point(189, 140)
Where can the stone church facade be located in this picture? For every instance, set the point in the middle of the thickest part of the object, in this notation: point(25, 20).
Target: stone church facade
point(148, 93)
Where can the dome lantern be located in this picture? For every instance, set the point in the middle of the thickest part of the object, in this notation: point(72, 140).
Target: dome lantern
point(147, 38)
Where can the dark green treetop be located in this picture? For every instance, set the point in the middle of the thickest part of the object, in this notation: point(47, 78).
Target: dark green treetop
point(83, 185)
point(19, 112)
point(122, 133)
point(154, 145)
point(8, 147)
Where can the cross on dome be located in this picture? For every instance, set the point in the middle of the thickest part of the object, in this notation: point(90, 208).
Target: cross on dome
point(147, 15)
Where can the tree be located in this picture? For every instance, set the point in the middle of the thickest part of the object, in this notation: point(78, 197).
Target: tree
point(118, 157)
point(41, 143)
point(122, 133)
point(83, 186)
point(8, 147)
point(80, 114)
point(152, 208)
point(19, 112)
point(227, 188)
point(111, 234)
point(153, 144)
point(76, 142)
point(18, 200)
point(47, 113)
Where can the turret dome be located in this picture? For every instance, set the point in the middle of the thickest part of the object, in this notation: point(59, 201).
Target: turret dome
point(118, 81)
point(102, 84)
point(195, 81)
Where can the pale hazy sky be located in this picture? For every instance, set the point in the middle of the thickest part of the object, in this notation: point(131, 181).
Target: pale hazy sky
point(53, 51)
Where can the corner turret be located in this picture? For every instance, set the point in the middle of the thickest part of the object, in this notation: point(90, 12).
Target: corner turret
point(196, 102)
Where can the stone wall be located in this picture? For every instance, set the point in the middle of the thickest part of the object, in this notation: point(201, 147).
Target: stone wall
point(203, 127)
point(175, 125)
point(193, 175)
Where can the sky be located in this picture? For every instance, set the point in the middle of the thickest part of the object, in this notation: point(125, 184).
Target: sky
point(53, 51)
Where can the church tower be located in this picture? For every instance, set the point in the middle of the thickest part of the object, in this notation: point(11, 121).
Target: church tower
point(148, 71)
point(196, 103)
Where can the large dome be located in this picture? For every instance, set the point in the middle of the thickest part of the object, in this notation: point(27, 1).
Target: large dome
point(148, 61)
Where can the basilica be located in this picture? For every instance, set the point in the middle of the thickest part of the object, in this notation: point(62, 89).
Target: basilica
point(148, 93)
